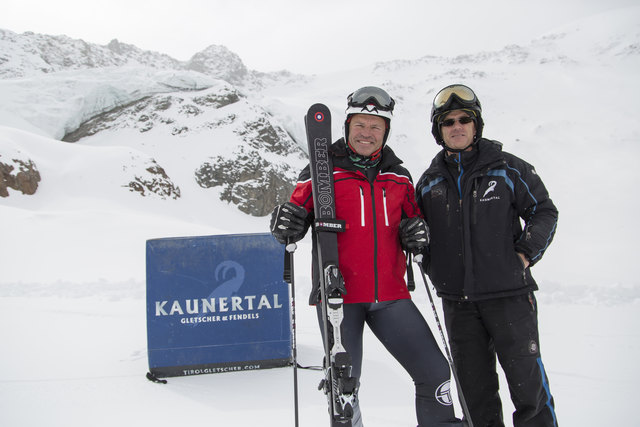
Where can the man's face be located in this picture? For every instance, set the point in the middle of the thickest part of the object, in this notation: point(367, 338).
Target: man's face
point(458, 135)
point(366, 133)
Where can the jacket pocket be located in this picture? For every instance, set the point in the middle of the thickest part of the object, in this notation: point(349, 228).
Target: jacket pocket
point(520, 262)
point(521, 267)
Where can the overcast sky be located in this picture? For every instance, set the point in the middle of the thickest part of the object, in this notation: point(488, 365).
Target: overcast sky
point(301, 35)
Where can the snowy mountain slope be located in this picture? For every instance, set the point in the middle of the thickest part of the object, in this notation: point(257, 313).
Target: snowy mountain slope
point(72, 264)
point(104, 88)
point(30, 54)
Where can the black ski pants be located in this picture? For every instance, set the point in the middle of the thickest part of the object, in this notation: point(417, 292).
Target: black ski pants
point(400, 327)
point(508, 328)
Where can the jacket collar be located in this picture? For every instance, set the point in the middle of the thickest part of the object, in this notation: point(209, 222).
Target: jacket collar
point(341, 157)
point(488, 153)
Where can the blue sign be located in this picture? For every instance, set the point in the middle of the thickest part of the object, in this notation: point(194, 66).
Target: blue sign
point(216, 304)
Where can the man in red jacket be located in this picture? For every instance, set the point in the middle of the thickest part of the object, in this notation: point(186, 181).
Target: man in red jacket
point(375, 196)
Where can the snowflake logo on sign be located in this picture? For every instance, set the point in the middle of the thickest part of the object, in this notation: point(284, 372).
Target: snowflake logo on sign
point(443, 394)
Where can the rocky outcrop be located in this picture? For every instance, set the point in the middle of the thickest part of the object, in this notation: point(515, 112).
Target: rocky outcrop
point(20, 175)
point(219, 62)
point(154, 180)
point(251, 157)
point(248, 181)
point(258, 174)
point(157, 110)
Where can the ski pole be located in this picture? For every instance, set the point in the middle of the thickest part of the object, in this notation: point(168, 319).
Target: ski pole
point(418, 260)
point(290, 277)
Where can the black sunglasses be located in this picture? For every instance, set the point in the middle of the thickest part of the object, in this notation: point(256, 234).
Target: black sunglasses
point(462, 120)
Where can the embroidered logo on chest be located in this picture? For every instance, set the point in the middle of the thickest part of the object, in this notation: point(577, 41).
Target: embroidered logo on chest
point(489, 193)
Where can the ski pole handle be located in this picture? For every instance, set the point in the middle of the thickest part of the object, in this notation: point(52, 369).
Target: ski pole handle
point(287, 273)
point(291, 247)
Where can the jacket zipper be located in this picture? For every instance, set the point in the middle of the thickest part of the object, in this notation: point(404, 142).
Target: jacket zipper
point(461, 210)
point(474, 205)
point(448, 207)
point(375, 242)
point(362, 222)
point(464, 261)
point(375, 231)
point(460, 173)
point(384, 204)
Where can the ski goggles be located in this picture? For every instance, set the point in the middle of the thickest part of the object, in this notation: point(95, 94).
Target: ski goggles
point(462, 93)
point(371, 96)
point(462, 120)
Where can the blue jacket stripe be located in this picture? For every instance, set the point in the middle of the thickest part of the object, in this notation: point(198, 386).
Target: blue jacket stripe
point(430, 185)
point(502, 173)
point(535, 201)
point(553, 230)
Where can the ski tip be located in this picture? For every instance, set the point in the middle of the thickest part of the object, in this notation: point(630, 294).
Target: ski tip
point(319, 112)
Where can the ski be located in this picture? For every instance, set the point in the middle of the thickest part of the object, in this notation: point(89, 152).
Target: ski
point(338, 385)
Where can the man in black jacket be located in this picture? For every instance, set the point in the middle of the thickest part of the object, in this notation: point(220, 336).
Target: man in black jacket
point(475, 197)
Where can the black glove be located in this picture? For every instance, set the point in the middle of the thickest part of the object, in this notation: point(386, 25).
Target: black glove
point(288, 223)
point(414, 234)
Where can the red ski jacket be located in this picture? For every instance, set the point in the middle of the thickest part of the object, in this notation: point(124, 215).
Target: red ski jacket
point(370, 257)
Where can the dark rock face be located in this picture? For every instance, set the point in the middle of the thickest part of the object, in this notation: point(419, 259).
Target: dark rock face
point(155, 181)
point(24, 178)
point(248, 181)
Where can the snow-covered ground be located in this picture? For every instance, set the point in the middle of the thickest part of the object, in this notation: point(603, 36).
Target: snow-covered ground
point(72, 256)
point(75, 354)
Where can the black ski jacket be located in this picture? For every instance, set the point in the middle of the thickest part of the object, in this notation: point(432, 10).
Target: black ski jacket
point(474, 211)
